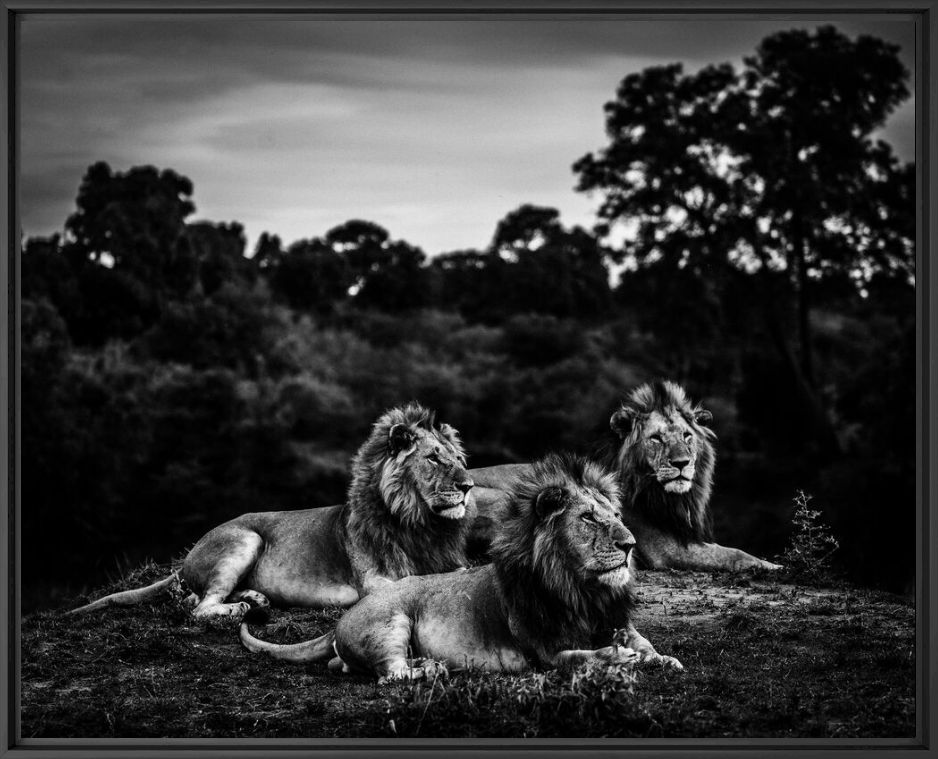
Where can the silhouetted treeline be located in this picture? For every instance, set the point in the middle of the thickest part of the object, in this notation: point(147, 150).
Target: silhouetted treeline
point(754, 242)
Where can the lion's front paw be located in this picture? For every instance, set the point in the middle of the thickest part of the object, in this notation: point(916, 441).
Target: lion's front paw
point(650, 656)
point(770, 566)
point(417, 669)
point(670, 662)
point(222, 615)
point(619, 655)
point(404, 673)
point(746, 563)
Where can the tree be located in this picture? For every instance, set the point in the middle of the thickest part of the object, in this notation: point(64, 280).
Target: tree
point(124, 254)
point(387, 274)
point(466, 281)
point(555, 270)
point(818, 98)
point(771, 171)
point(311, 276)
point(219, 252)
point(135, 223)
point(48, 274)
point(363, 243)
point(267, 253)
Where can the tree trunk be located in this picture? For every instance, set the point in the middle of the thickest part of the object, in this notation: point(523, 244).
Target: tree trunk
point(802, 301)
point(820, 423)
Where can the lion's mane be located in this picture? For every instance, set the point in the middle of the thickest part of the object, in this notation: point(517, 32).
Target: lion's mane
point(542, 591)
point(399, 538)
point(686, 516)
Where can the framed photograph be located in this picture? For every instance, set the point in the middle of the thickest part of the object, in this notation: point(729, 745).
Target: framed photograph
point(468, 376)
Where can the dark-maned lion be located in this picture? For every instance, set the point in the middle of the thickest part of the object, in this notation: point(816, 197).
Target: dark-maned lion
point(408, 509)
point(554, 596)
point(660, 445)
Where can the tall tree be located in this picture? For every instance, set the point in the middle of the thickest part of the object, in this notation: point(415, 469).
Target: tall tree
point(135, 222)
point(818, 99)
point(771, 170)
point(126, 249)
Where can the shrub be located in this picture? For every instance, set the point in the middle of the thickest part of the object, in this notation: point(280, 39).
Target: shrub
point(808, 555)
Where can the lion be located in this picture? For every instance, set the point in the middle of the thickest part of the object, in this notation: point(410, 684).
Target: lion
point(408, 510)
point(556, 595)
point(662, 447)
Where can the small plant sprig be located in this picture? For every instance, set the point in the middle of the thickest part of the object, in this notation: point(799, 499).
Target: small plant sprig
point(809, 552)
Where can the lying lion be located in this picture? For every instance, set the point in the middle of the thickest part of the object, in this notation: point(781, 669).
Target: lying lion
point(408, 509)
point(662, 448)
point(555, 593)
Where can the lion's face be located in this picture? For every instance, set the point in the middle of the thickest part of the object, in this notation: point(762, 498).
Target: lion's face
point(589, 531)
point(670, 447)
point(428, 464)
point(666, 441)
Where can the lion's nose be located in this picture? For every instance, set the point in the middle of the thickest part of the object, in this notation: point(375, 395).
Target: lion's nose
point(679, 463)
point(465, 486)
point(625, 545)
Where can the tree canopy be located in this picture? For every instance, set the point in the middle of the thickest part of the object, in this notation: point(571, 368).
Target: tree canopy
point(772, 170)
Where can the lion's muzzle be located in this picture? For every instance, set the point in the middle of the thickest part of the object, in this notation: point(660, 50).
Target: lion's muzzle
point(452, 503)
point(676, 476)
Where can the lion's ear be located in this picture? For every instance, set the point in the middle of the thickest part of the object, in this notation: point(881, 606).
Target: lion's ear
point(621, 422)
point(400, 437)
point(703, 417)
point(551, 500)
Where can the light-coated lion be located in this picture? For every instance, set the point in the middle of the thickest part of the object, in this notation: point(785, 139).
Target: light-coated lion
point(662, 448)
point(408, 509)
point(556, 594)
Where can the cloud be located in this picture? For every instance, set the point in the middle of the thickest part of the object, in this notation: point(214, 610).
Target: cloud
point(434, 127)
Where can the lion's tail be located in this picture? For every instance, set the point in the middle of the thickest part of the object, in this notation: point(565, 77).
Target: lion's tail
point(129, 597)
point(317, 649)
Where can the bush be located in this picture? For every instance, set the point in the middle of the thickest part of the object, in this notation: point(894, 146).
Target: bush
point(808, 556)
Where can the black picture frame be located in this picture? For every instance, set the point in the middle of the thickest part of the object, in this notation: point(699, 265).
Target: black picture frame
point(924, 13)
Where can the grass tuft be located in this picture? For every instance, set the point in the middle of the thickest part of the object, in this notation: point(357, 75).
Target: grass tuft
point(595, 699)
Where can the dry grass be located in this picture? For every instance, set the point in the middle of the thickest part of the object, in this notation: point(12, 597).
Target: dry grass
point(762, 659)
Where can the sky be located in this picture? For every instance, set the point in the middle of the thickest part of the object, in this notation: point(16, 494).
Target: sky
point(434, 127)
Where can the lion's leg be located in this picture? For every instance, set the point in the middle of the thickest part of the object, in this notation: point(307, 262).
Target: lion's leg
point(634, 640)
point(715, 556)
point(260, 604)
point(574, 657)
point(338, 667)
point(379, 643)
point(237, 556)
point(253, 597)
point(661, 551)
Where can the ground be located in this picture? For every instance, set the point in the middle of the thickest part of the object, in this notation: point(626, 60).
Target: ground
point(763, 658)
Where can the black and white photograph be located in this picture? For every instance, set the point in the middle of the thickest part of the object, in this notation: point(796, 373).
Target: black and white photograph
point(461, 375)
